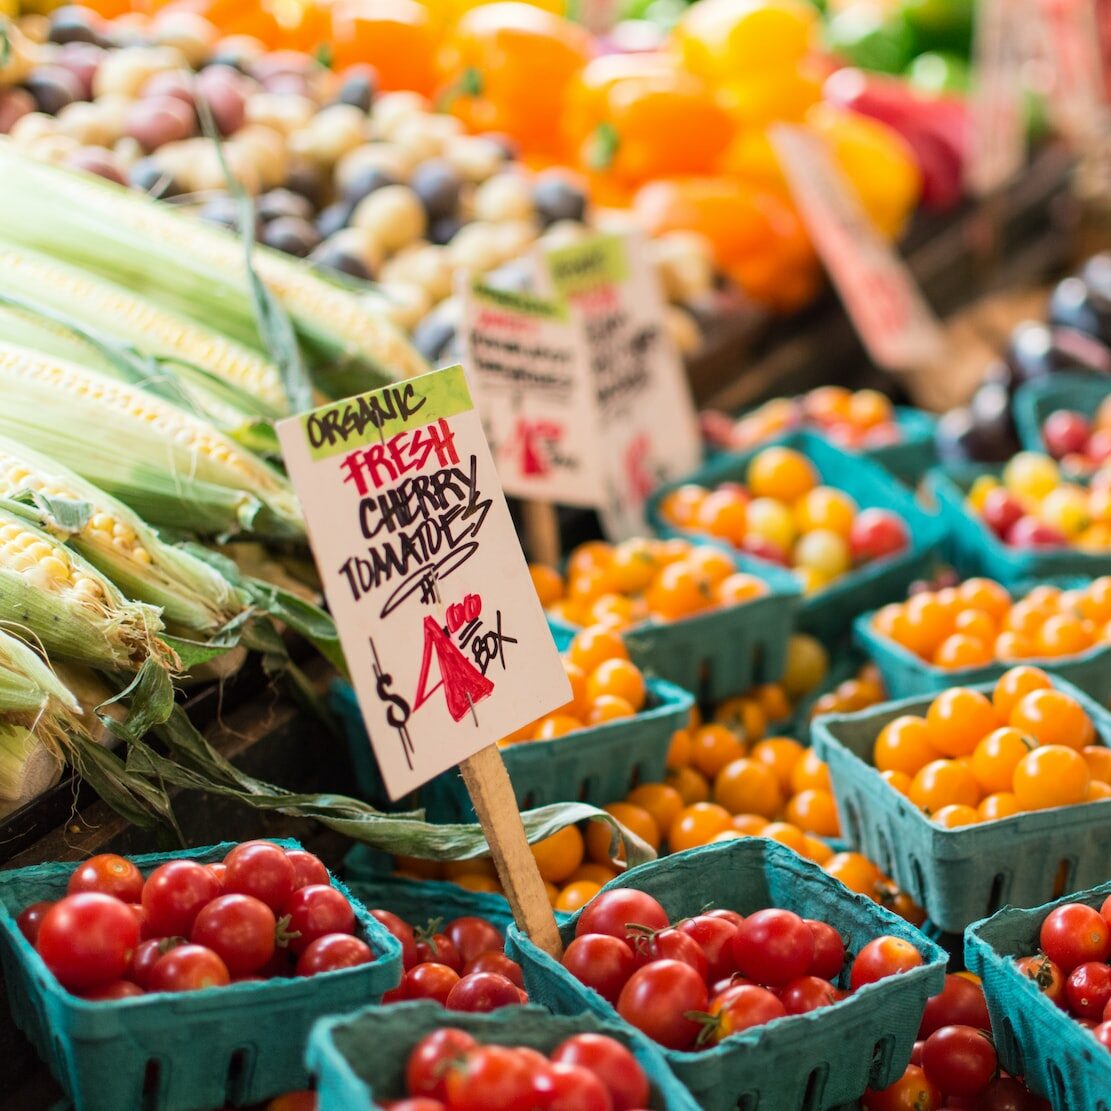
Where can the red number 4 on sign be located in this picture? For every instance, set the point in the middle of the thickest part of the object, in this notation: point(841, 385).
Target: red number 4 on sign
point(464, 682)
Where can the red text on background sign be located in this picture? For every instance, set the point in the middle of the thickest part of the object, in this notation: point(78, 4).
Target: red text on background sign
point(383, 463)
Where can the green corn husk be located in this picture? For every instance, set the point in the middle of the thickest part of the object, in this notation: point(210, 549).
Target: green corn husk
point(172, 468)
point(114, 311)
point(52, 594)
point(192, 595)
point(193, 268)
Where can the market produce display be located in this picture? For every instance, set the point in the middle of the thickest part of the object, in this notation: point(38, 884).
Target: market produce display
point(838, 717)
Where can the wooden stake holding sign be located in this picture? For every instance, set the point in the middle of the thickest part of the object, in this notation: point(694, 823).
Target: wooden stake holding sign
point(447, 644)
point(879, 293)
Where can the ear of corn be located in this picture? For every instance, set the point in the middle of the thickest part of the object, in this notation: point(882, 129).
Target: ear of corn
point(122, 314)
point(192, 595)
point(192, 268)
point(171, 467)
point(52, 594)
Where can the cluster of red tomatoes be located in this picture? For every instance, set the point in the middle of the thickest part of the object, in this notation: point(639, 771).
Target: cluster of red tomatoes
point(462, 965)
point(1072, 965)
point(954, 1066)
point(449, 1070)
point(262, 911)
point(698, 981)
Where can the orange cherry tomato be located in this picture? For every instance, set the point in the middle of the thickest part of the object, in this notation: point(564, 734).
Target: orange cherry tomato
point(745, 786)
point(1052, 717)
point(905, 745)
point(560, 854)
point(1051, 775)
point(959, 718)
point(697, 825)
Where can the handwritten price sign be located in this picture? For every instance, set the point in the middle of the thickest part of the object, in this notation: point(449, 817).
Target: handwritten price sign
point(878, 291)
point(649, 433)
point(444, 636)
point(528, 366)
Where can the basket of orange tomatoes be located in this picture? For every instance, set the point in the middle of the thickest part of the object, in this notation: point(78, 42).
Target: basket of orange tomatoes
point(972, 632)
point(689, 612)
point(978, 796)
point(851, 534)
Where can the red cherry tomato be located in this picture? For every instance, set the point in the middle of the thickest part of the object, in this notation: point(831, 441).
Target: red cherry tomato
point(1073, 934)
point(960, 1060)
point(1103, 1034)
point(473, 936)
point(497, 962)
point(114, 989)
point(959, 1003)
point(296, 1101)
point(1050, 980)
point(612, 1063)
point(1105, 911)
point(566, 1087)
point(1088, 989)
point(714, 936)
point(829, 950)
point(219, 871)
point(743, 1007)
point(403, 932)
point(882, 957)
point(602, 962)
point(87, 940)
point(428, 981)
point(332, 952)
point(876, 534)
point(174, 894)
point(189, 968)
point(110, 875)
point(439, 948)
point(728, 915)
point(307, 868)
point(1005, 1093)
point(806, 994)
point(262, 870)
point(30, 918)
point(657, 999)
point(490, 1076)
point(427, 1068)
point(420, 1103)
point(669, 945)
point(913, 1091)
point(483, 991)
point(147, 955)
point(774, 946)
point(611, 912)
point(317, 910)
point(239, 929)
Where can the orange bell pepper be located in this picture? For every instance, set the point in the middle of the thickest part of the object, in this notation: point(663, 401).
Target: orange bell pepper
point(758, 238)
point(394, 36)
point(507, 68)
point(640, 117)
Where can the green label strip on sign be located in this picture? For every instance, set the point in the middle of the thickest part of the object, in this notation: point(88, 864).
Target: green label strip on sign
point(342, 425)
point(584, 266)
point(524, 303)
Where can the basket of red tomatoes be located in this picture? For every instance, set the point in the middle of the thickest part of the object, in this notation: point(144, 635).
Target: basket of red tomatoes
point(181, 981)
point(1048, 985)
point(763, 980)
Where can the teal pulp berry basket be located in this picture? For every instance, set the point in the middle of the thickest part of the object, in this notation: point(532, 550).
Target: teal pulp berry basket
point(724, 651)
point(1035, 1038)
point(828, 614)
point(596, 764)
point(960, 875)
point(975, 550)
point(1034, 401)
point(175, 1052)
point(906, 675)
point(359, 1059)
point(800, 1063)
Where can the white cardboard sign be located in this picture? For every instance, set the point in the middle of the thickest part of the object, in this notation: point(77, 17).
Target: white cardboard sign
point(529, 370)
point(879, 293)
point(444, 636)
point(649, 430)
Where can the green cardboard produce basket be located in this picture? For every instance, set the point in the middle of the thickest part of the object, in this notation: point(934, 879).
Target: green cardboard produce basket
point(419, 901)
point(724, 651)
point(799, 1063)
point(828, 614)
point(189, 1051)
point(975, 550)
point(359, 1059)
point(1034, 1037)
point(1035, 400)
point(906, 675)
point(959, 875)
